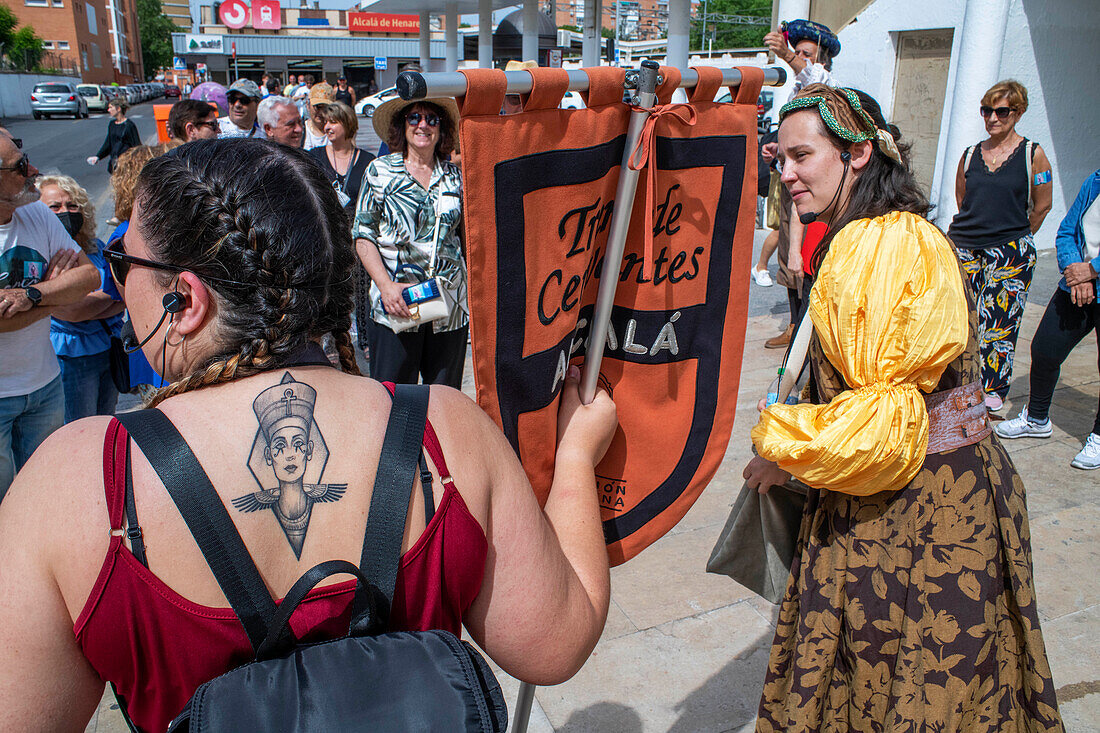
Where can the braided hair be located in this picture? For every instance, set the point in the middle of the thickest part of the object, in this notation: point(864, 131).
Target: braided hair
point(255, 212)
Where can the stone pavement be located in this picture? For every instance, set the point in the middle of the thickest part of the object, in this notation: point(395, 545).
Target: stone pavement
point(686, 651)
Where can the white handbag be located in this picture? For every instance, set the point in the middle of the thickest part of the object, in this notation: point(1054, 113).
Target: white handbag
point(426, 299)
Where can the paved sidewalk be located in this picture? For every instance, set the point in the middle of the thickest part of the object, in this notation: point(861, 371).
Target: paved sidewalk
point(686, 651)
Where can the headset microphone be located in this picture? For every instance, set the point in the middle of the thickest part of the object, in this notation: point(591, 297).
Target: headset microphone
point(811, 216)
point(173, 303)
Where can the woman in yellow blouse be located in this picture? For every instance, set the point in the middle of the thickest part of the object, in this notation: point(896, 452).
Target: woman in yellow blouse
point(911, 605)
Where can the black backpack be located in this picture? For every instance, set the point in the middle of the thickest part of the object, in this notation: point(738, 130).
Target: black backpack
point(368, 680)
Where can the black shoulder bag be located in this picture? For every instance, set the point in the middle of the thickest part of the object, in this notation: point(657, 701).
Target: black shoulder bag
point(369, 680)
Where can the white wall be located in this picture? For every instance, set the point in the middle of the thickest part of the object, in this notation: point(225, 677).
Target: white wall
point(1048, 48)
point(15, 91)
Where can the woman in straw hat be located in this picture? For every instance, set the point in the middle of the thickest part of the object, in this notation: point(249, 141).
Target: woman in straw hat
point(911, 605)
point(409, 209)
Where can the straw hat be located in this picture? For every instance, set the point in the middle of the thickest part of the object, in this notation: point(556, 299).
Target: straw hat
point(514, 65)
point(383, 116)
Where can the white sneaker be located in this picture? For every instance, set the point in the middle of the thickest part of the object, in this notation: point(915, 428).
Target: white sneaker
point(993, 402)
point(763, 278)
point(1089, 457)
point(1023, 427)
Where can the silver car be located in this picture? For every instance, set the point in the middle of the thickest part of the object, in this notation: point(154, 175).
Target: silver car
point(57, 98)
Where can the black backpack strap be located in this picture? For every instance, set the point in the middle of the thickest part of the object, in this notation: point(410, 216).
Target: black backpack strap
point(206, 517)
point(392, 488)
point(133, 529)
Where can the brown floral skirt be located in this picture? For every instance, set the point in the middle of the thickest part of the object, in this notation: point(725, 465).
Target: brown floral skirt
point(914, 610)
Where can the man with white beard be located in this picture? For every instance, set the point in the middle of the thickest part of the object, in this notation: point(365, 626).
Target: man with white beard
point(41, 270)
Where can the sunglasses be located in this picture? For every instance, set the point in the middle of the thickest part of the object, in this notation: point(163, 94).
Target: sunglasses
point(1001, 112)
point(414, 118)
point(119, 262)
point(23, 166)
point(235, 98)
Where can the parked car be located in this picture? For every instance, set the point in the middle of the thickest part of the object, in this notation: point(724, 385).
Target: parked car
point(94, 97)
point(367, 105)
point(763, 105)
point(133, 93)
point(172, 92)
point(57, 98)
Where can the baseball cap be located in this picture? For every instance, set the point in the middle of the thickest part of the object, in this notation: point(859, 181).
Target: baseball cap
point(322, 93)
point(247, 87)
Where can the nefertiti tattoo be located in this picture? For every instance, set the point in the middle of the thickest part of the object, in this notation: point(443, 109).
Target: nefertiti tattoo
point(288, 459)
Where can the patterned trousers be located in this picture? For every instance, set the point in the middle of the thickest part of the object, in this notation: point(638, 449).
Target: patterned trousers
point(1000, 277)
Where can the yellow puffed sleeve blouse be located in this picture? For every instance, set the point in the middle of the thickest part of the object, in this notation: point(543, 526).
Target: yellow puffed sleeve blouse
point(890, 314)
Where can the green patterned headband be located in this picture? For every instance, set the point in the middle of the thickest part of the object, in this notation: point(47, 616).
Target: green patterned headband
point(829, 119)
point(885, 139)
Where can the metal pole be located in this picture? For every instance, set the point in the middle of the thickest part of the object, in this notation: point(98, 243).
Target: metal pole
point(620, 222)
point(523, 707)
point(413, 85)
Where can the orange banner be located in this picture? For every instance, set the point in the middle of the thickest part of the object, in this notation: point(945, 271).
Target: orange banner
point(383, 23)
point(539, 194)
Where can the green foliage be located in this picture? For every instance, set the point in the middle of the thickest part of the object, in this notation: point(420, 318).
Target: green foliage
point(155, 30)
point(729, 35)
point(573, 28)
point(23, 47)
point(8, 21)
point(25, 50)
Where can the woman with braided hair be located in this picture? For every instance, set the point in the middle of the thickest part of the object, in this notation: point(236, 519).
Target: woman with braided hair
point(236, 263)
point(911, 602)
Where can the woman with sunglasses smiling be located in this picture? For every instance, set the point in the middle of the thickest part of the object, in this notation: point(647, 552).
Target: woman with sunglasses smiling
point(1003, 190)
point(410, 200)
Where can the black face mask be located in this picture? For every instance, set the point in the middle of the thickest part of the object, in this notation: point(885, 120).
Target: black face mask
point(73, 221)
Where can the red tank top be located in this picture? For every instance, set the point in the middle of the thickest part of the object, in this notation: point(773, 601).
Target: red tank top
point(157, 647)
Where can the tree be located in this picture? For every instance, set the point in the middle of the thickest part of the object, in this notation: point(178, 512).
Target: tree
point(8, 21)
point(26, 48)
point(730, 35)
point(155, 30)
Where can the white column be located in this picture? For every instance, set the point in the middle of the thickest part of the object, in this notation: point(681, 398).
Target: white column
point(978, 68)
point(485, 34)
point(425, 39)
point(450, 17)
point(679, 23)
point(530, 30)
point(793, 9)
point(590, 50)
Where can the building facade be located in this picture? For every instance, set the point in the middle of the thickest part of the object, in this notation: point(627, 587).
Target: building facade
point(368, 48)
point(96, 40)
point(928, 64)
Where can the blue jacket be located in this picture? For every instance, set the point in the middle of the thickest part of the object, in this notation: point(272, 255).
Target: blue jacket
point(1070, 242)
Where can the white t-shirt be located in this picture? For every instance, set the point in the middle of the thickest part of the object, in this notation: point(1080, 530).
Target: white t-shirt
point(27, 243)
point(1090, 227)
point(312, 141)
point(228, 128)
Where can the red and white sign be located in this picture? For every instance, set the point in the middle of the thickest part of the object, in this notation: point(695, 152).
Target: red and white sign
point(234, 13)
point(383, 23)
point(265, 15)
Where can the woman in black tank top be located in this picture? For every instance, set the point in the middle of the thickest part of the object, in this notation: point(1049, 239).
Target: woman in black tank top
point(1003, 190)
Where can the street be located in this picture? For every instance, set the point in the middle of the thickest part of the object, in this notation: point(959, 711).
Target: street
point(61, 145)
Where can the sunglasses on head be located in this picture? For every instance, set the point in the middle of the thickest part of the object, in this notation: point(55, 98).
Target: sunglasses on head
point(413, 118)
point(23, 166)
point(1000, 112)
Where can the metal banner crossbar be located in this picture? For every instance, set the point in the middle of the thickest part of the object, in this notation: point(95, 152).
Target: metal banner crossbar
point(641, 84)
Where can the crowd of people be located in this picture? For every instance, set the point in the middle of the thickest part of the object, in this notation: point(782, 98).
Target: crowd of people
point(911, 595)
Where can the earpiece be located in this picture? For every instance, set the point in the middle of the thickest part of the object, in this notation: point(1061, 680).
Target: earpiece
point(173, 302)
point(846, 156)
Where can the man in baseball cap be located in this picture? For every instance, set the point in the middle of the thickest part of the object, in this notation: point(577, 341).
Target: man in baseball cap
point(243, 97)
